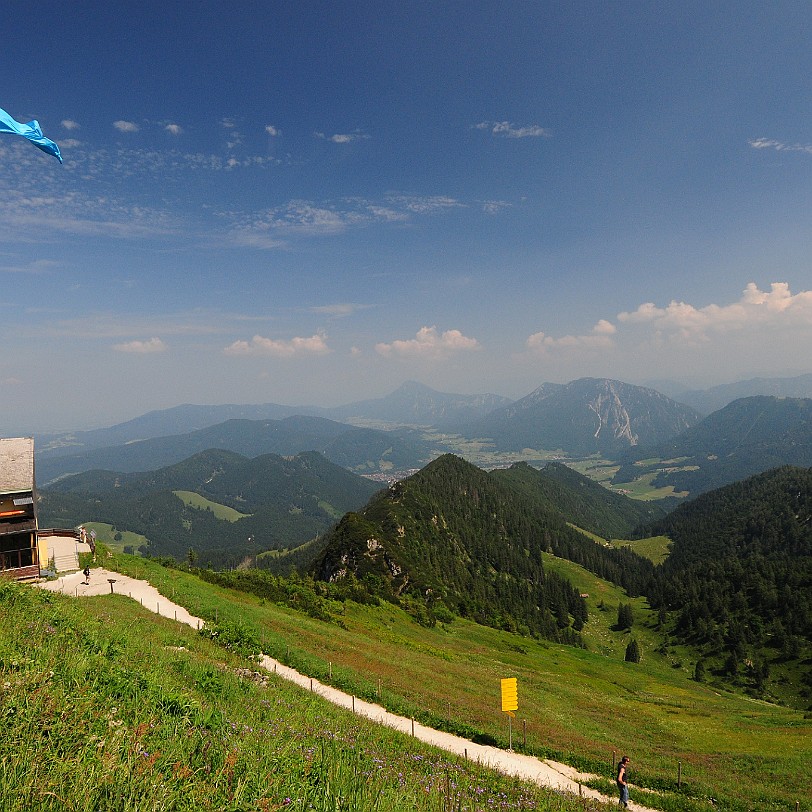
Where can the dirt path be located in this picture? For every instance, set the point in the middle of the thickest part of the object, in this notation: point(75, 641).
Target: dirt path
point(544, 773)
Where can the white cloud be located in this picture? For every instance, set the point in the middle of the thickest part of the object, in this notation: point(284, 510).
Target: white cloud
point(142, 347)
point(428, 343)
point(234, 137)
point(779, 146)
point(267, 229)
point(70, 124)
point(126, 126)
point(272, 131)
point(280, 348)
point(775, 319)
point(756, 309)
point(339, 309)
point(600, 338)
point(36, 266)
point(174, 129)
point(507, 130)
point(762, 331)
point(343, 138)
point(424, 204)
point(495, 206)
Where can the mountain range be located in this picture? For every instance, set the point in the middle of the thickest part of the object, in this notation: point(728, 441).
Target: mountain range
point(277, 502)
point(410, 404)
point(584, 417)
point(746, 437)
point(587, 416)
point(706, 401)
point(357, 449)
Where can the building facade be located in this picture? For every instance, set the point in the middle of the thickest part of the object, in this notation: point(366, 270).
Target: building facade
point(18, 509)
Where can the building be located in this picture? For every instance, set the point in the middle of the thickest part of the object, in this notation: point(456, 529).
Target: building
point(18, 509)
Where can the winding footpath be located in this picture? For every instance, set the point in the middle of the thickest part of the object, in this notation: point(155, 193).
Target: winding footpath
point(544, 773)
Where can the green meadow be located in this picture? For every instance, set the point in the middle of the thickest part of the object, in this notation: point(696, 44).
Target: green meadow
point(223, 512)
point(116, 540)
point(105, 706)
point(695, 746)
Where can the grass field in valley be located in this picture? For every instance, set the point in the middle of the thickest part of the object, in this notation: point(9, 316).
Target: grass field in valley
point(195, 500)
point(116, 540)
point(579, 706)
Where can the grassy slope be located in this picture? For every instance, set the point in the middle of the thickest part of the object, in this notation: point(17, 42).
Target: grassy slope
point(580, 706)
point(195, 500)
point(654, 548)
point(105, 534)
point(107, 707)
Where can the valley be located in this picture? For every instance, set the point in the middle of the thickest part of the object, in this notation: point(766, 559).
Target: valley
point(418, 565)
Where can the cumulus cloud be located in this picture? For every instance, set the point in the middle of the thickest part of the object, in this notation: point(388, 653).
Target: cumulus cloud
point(759, 332)
point(280, 348)
point(505, 129)
point(126, 126)
point(174, 129)
point(756, 308)
point(142, 347)
point(271, 130)
point(429, 343)
point(599, 338)
point(70, 124)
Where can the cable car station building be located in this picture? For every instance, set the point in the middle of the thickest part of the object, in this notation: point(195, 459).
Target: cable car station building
point(18, 514)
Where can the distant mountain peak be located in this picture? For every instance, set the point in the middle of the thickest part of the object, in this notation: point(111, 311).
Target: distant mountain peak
point(587, 416)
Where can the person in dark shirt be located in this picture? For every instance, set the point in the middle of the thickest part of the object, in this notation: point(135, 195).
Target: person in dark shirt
point(622, 783)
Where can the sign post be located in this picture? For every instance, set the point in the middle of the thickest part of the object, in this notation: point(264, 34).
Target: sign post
point(510, 703)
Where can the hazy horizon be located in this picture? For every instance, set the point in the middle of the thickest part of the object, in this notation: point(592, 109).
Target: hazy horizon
point(306, 204)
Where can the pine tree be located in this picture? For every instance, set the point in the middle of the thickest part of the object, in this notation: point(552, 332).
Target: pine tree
point(625, 618)
point(633, 654)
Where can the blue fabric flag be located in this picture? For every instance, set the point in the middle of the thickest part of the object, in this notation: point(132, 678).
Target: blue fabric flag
point(31, 131)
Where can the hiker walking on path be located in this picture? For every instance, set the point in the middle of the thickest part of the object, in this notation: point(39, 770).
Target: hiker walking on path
point(622, 782)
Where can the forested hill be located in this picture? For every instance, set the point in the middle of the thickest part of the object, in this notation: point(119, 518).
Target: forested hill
point(747, 437)
point(277, 503)
point(454, 536)
point(740, 570)
point(581, 500)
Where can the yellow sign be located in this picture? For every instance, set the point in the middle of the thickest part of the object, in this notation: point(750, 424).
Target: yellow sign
point(510, 695)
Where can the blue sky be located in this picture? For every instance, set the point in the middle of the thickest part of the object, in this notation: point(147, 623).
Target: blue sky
point(314, 202)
